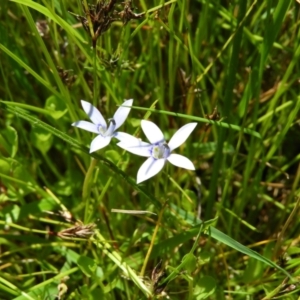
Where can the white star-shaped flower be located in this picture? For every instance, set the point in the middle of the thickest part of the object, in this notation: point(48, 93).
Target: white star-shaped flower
point(158, 150)
point(99, 125)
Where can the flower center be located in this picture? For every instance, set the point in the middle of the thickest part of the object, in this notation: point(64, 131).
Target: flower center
point(161, 150)
point(101, 129)
point(111, 128)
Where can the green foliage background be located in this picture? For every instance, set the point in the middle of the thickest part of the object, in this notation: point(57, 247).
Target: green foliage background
point(230, 230)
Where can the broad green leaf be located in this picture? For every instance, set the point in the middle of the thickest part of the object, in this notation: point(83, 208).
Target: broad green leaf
point(56, 107)
point(86, 293)
point(9, 141)
point(64, 187)
point(41, 139)
point(37, 207)
point(113, 156)
point(87, 265)
point(12, 213)
point(253, 271)
point(293, 250)
point(189, 262)
point(205, 287)
point(188, 200)
point(16, 177)
point(4, 166)
point(204, 257)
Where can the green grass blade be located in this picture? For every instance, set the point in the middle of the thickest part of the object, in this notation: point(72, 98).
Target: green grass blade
point(202, 120)
point(31, 71)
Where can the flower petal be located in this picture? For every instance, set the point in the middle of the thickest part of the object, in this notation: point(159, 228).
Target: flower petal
point(88, 126)
point(150, 168)
point(99, 142)
point(93, 113)
point(181, 135)
point(125, 137)
point(137, 147)
point(122, 113)
point(152, 132)
point(181, 161)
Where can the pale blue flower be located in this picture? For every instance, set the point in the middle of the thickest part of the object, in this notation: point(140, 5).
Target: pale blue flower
point(99, 125)
point(158, 150)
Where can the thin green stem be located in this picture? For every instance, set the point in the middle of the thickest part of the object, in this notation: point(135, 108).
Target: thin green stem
point(117, 259)
point(95, 93)
point(86, 8)
point(152, 241)
point(191, 289)
point(282, 232)
point(86, 189)
point(23, 228)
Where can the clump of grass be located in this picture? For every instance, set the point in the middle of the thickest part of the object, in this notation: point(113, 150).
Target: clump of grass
point(76, 225)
